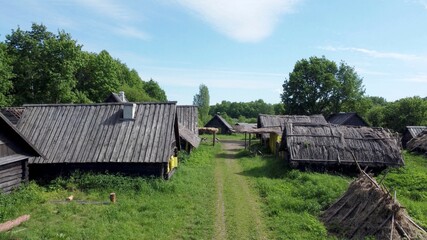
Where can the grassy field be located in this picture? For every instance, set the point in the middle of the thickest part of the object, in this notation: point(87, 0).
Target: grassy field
point(182, 208)
point(185, 207)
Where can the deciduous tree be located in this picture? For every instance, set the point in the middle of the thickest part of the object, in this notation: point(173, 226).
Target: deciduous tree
point(201, 100)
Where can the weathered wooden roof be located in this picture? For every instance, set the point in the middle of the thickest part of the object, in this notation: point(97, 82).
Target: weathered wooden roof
point(418, 143)
point(13, 114)
point(188, 116)
point(339, 144)
point(350, 118)
point(94, 133)
point(21, 146)
point(279, 121)
point(222, 120)
point(265, 120)
point(189, 136)
point(244, 127)
point(415, 130)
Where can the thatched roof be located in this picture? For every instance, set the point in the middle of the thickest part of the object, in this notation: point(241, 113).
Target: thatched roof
point(419, 143)
point(366, 209)
point(279, 121)
point(338, 144)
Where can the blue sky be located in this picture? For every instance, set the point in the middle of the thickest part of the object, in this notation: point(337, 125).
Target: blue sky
point(243, 50)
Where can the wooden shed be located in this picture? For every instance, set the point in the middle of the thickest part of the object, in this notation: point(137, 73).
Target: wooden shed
point(350, 118)
point(278, 123)
point(418, 144)
point(330, 144)
point(410, 133)
point(188, 130)
point(15, 150)
point(218, 122)
point(135, 138)
point(116, 98)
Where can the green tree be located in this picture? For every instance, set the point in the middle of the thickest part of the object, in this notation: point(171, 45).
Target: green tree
point(6, 75)
point(411, 111)
point(317, 85)
point(201, 100)
point(153, 90)
point(43, 65)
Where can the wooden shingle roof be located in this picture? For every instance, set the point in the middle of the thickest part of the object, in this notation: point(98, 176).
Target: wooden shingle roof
point(339, 144)
point(415, 130)
point(94, 133)
point(279, 122)
point(350, 118)
point(13, 114)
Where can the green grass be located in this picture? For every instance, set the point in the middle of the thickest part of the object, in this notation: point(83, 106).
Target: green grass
point(234, 136)
point(181, 208)
point(410, 184)
point(292, 200)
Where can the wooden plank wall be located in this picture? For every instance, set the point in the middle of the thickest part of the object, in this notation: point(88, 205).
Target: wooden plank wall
point(12, 174)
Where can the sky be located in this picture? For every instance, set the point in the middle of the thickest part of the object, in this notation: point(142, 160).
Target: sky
point(242, 50)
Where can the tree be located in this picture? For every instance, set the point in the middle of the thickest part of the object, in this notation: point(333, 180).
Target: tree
point(201, 100)
point(43, 65)
point(318, 86)
point(411, 111)
point(153, 90)
point(6, 75)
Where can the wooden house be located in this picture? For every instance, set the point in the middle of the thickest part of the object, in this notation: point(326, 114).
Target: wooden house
point(188, 131)
point(15, 150)
point(350, 118)
point(218, 122)
point(418, 144)
point(135, 138)
point(410, 133)
point(329, 144)
point(274, 125)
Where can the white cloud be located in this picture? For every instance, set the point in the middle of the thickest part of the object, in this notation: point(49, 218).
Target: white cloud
point(421, 78)
point(132, 32)
point(109, 8)
point(376, 54)
point(242, 20)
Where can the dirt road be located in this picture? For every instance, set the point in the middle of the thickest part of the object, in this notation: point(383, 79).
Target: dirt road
point(238, 213)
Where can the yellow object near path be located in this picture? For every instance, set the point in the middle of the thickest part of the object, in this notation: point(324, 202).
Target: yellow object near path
point(238, 214)
point(173, 163)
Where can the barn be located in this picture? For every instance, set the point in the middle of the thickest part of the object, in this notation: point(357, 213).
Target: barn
point(350, 118)
point(274, 124)
point(135, 138)
point(410, 133)
point(188, 131)
point(219, 122)
point(329, 144)
point(15, 150)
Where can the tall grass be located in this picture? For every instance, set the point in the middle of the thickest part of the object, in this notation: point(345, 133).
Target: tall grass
point(410, 184)
point(146, 208)
point(292, 200)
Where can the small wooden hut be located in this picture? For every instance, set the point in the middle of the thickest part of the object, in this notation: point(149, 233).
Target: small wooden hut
point(350, 118)
point(135, 138)
point(410, 133)
point(329, 144)
point(15, 150)
point(218, 122)
point(188, 130)
point(418, 144)
point(274, 124)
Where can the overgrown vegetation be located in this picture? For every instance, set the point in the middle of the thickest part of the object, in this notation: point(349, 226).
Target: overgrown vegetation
point(182, 208)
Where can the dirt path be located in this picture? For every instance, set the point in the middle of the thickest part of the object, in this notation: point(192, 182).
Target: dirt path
point(238, 213)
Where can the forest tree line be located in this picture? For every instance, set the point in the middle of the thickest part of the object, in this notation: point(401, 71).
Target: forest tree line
point(39, 66)
point(320, 86)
